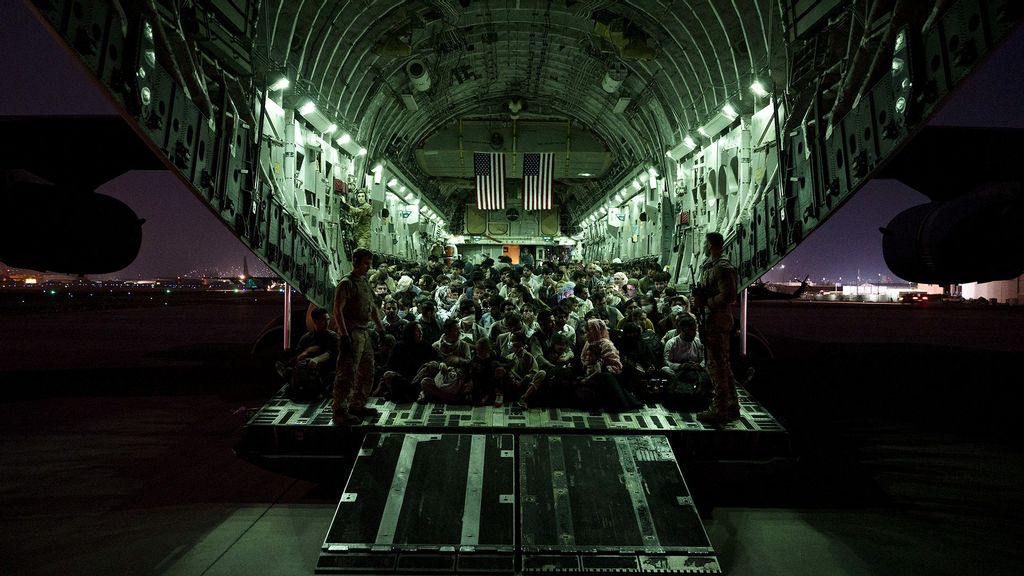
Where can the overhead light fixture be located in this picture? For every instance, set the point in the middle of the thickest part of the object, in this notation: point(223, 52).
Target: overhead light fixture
point(280, 84)
point(652, 171)
point(344, 139)
point(402, 189)
point(637, 184)
point(682, 149)
point(585, 174)
point(308, 108)
point(758, 89)
point(362, 152)
point(331, 128)
point(393, 182)
point(718, 122)
point(378, 168)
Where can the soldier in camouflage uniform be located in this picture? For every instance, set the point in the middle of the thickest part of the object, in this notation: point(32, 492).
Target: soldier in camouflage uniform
point(361, 213)
point(354, 309)
point(715, 292)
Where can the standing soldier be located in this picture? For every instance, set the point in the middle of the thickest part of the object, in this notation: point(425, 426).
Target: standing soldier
point(361, 213)
point(354, 307)
point(716, 290)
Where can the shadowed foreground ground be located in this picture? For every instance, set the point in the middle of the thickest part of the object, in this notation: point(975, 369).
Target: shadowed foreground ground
point(117, 426)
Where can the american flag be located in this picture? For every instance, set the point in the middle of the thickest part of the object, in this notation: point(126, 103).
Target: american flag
point(538, 170)
point(489, 168)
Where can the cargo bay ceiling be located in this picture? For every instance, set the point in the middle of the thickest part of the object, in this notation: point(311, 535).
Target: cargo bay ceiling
point(608, 85)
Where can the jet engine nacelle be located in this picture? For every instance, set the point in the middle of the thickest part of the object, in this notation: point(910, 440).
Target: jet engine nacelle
point(52, 228)
point(973, 238)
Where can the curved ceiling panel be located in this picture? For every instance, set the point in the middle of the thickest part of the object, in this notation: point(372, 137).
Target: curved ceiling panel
point(638, 75)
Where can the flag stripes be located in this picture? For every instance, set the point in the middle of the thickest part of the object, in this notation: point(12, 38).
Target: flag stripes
point(489, 168)
point(538, 173)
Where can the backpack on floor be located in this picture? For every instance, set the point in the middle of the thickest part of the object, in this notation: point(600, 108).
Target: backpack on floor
point(306, 384)
point(690, 390)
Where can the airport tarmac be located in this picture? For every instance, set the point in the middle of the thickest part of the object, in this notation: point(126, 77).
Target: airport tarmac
point(116, 431)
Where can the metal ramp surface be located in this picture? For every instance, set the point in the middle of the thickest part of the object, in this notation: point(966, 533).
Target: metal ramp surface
point(287, 436)
point(500, 504)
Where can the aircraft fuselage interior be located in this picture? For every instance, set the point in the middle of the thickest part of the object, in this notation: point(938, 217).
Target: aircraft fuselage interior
point(582, 129)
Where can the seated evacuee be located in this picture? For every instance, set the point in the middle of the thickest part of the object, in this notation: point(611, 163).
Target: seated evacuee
point(451, 348)
point(318, 348)
point(683, 348)
point(524, 377)
point(601, 363)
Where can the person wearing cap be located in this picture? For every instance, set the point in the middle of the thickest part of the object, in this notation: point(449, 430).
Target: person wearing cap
point(715, 292)
point(405, 284)
point(319, 346)
point(354, 308)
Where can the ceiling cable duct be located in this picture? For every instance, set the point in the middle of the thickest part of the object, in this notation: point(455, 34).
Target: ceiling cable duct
point(418, 75)
point(613, 78)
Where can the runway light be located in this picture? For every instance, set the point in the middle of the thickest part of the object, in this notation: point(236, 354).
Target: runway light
point(308, 108)
point(344, 139)
point(758, 89)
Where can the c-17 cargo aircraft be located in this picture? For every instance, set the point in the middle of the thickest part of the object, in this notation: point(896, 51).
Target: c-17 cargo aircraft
point(653, 122)
point(584, 129)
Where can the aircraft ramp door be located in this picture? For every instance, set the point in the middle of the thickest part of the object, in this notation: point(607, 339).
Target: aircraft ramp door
point(504, 504)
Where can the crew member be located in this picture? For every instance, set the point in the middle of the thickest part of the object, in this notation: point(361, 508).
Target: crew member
point(713, 295)
point(354, 307)
point(361, 213)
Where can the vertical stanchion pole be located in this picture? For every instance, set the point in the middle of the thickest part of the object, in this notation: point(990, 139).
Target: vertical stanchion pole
point(743, 323)
point(287, 316)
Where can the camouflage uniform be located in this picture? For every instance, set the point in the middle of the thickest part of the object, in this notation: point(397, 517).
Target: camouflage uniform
point(361, 215)
point(718, 279)
point(354, 377)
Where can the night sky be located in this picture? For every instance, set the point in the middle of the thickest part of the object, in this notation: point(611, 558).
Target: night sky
point(181, 236)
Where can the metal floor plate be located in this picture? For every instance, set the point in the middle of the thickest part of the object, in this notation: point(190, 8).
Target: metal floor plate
point(451, 503)
point(285, 431)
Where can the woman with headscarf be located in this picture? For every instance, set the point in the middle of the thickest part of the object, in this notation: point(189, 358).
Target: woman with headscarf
point(601, 364)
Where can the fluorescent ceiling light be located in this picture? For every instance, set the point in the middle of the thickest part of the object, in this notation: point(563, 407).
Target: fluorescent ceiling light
point(307, 108)
point(362, 152)
point(281, 84)
point(758, 89)
point(344, 139)
point(331, 128)
point(393, 182)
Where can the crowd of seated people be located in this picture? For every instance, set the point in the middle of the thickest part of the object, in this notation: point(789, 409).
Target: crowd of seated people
point(551, 334)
